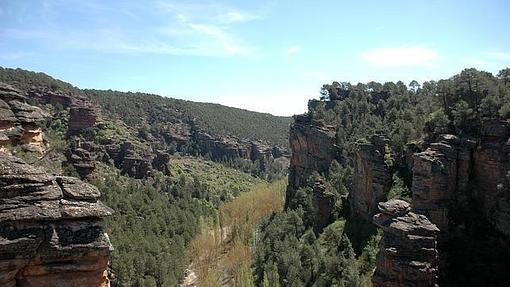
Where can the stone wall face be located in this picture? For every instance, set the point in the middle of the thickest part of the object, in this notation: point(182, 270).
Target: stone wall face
point(372, 177)
point(19, 121)
point(51, 229)
point(408, 253)
point(312, 148)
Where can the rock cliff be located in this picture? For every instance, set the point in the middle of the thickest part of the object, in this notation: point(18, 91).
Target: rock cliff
point(19, 121)
point(51, 229)
point(313, 149)
point(408, 253)
point(372, 177)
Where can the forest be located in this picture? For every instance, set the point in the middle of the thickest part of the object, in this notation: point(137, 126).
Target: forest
point(224, 220)
point(291, 253)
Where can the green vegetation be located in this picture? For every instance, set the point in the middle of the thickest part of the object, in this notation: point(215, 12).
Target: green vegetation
point(223, 249)
point(290, 252)
point(139, 109)
point(155, 220)
point(156, 113)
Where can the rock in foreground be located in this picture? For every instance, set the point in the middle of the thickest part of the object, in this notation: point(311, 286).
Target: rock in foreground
point(51, 229)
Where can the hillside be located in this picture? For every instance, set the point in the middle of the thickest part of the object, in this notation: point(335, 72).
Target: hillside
point(139, 108)
point(161, 186)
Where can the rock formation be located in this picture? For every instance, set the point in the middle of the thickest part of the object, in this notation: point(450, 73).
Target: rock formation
point(51, 229)
point(162, 162)
point(82, 115)
point(220, 148)
point(19, 121)
point(372, 177)
point(408, 253)
point(81, 160)
point(312, 146)
point(435, 180)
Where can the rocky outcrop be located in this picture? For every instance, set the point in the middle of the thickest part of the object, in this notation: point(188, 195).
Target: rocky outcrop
point(48, 96)
point(51, 229)
point(372, 177)
point(82, 115)
point(161, 162)
point(19, 121)
point(435, 180)
point(313, 149)
point(81, 160)
point(220, 148)
point(324, 204)
point(454, 172)
point(137, 166)
point(408, 253)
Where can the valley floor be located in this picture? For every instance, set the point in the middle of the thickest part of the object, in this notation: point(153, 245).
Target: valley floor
point(221, 254)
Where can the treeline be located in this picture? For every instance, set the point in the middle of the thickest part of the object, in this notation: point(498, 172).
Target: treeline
point(149, 111)
point(140, 109)
point(222, 253)
point(155, 220)
point(290, 252)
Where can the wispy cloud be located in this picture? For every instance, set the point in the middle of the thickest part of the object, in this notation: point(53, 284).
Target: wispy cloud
point(174, 28)
point(498, 55)
point(235, 16)
point(404, 56)
point(292, 50)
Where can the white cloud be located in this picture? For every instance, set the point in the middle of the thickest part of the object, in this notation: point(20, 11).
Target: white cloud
point(292, 50)
point(499, 56)
point(235, 16)
point(176, 28)
point(405, 56)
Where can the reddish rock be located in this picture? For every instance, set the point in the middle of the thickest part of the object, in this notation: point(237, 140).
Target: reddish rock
point(372, 177)
point(408, 253)
point(81, 160)
point(313, 149)
point(19, 121)
point(82, 115)
point(51, 229)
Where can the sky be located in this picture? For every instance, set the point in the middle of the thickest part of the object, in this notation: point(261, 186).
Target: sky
point(267, 56)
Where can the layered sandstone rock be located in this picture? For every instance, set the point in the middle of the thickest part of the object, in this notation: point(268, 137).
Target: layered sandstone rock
point(372, 177)
point(435, 180)
point(82, 115)
point(53, 97)
point(222, 148)
point(81, 159)
point(161, 162)
point(19, 121)
point(408, 253)
point(51, 229)
point(455, 171)
point(313, 149)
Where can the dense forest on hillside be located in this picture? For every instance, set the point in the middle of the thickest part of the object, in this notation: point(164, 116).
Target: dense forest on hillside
point(157, 215)
point(290, 252)
point(137, 108)
point(147, 109)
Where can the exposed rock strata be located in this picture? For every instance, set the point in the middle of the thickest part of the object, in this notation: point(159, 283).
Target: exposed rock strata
point(313, 149)
point(19, 121)
point(372, 177)
point(82, 115)
point(51, 229)
point(81, 160)
point(408, 253)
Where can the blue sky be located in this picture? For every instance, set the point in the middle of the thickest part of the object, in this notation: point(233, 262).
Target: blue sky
point(269, 56)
